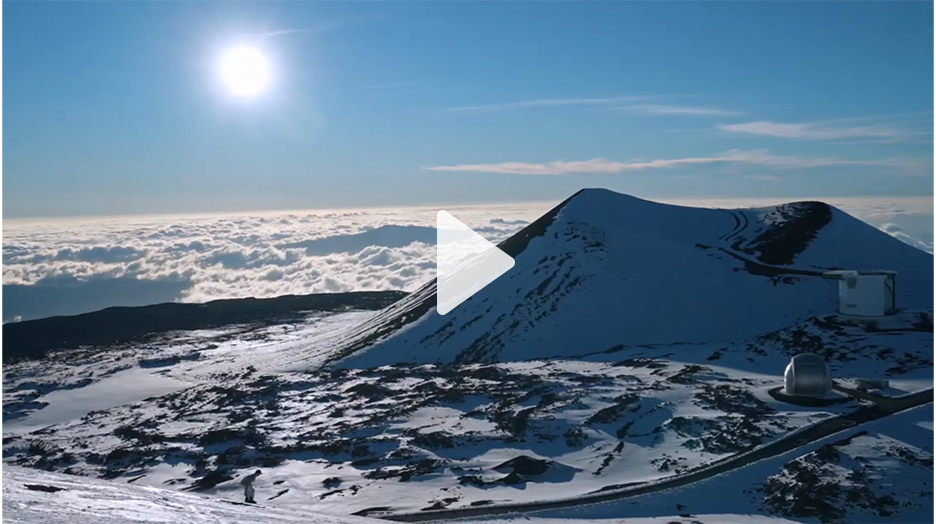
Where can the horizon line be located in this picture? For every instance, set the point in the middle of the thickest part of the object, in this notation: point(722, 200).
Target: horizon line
point(206, 214)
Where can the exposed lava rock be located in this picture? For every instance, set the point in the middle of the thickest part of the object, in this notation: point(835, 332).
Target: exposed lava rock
point(622, 404)
point(512, 478)
point(834, 483)
point(436, 439)
point(212, 479)
point(721, 435)
point(792, 229)
point(331, 482)
point(405, 473)
point(42, 487)
point(730, 399)
point(524, 465)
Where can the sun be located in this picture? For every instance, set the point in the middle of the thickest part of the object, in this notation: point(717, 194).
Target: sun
point(245, 71)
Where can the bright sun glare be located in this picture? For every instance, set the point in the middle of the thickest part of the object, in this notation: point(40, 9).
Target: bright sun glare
point(245, 71)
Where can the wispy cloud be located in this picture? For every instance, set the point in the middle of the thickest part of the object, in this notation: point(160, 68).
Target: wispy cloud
point(763, 178)
point(549, 102)
point(327, 26)
point(556, 167)
point(815, 131)
point(318, 28)
point(763, 157)
point(760, 157)
point(281, 32)
point(395, 84)
point(659, 109)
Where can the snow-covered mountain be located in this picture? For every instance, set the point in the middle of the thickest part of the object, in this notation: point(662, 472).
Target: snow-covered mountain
point(603, 269)
point(633, 346)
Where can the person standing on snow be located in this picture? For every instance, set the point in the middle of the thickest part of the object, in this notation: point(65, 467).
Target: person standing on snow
point(247, 482)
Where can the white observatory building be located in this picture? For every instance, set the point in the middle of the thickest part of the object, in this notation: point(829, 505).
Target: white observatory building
point(864, 293)
point(807, 375)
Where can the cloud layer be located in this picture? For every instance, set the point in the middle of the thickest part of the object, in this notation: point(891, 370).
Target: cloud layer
point(66, 267)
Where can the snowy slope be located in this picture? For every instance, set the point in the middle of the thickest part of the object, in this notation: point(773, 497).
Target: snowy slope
point(603, 269)
point(410, 437)
point(355, 440)
point(37, 497)
point(879, 472)
point(68, 384)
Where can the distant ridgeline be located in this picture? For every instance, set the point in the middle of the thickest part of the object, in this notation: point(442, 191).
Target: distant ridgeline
point(34, 338)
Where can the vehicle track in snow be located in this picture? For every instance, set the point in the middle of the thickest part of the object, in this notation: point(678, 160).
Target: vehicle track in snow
point(795, 440)
point(737, 226)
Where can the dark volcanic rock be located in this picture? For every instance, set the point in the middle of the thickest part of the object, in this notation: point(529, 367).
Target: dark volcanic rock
point(211, 479)
point(512, 478)
point(471, 480)
point(436, 439)
point(831, 484)
point(42, 487)
point(525, 465)
point(331, 482)
point(799, 224)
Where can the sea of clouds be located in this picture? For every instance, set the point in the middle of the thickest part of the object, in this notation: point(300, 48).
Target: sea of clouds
point(58, 266)
point(55, 267)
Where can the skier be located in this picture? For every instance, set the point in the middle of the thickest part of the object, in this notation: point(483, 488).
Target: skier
point(247, 482)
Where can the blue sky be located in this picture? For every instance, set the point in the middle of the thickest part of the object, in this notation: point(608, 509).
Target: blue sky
point(113, 108)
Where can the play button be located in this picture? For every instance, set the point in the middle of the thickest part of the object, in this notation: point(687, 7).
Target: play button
point(466, 262)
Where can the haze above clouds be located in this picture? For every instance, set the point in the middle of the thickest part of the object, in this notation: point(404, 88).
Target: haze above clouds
point(70, 266)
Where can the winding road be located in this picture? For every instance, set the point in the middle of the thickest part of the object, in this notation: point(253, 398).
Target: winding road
point(883, 407)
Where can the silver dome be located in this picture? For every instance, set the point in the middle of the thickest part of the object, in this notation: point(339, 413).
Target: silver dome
point(807, 375)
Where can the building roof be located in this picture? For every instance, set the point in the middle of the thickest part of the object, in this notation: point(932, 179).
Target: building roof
point(841, 273)
point(804, 358)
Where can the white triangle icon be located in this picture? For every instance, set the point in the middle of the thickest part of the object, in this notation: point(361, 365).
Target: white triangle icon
point(466, 262)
